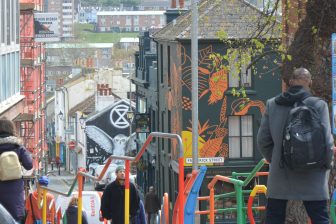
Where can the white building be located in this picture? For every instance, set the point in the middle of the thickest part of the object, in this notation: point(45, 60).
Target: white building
point(11, 102)
point(66, 13)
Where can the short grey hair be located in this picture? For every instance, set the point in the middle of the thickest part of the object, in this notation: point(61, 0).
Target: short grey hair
point(301, 73)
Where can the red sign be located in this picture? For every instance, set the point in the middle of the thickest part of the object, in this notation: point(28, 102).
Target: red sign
point(72, 145)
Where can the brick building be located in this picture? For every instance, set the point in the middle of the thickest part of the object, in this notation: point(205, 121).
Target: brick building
point(129, 21)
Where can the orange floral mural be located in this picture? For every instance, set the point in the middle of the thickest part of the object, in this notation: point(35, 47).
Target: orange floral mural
point(213, 83)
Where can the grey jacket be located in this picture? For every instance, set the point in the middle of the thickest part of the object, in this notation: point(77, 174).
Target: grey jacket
point(282, 182)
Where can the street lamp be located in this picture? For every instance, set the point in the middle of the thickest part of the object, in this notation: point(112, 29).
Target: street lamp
point(60, 115)
point(130, 115)
point(82, 121)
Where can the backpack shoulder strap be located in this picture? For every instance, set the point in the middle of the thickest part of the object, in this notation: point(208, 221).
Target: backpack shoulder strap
point(311, 101)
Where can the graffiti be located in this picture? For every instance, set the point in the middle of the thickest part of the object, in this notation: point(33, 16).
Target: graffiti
point(109, 138)
point(213, 83)
point(241, 106)
point(118, 116)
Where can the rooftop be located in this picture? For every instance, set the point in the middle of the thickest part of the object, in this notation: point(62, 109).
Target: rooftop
point(237, 19)
point(129, 13)
point(79, 45)
point(129, 40)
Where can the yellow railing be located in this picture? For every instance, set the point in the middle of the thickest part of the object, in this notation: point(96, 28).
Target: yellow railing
point(80, 175)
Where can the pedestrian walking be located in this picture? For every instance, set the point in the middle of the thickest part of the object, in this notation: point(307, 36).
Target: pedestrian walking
point(12, 190)
point(113, 199)
point(152, 205)
point(34, 213)
point(290, 178)
point(141, 216)
point(72, 212)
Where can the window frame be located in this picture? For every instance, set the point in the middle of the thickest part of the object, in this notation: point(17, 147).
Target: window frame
point(241, 136)
point(241, 73)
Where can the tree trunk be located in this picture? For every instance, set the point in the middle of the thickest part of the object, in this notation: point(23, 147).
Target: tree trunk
point(311, 48)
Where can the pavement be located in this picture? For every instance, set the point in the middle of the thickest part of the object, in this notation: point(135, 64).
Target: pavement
point(63, 179)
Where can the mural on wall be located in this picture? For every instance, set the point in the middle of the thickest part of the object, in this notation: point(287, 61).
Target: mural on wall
point(213, 83)
point(108, 134)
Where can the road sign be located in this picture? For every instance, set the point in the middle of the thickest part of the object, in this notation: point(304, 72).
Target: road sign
point(72, 145)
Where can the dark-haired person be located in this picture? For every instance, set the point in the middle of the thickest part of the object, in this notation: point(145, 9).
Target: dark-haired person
point(113, 199)
point(12, 191)
point(284, 183)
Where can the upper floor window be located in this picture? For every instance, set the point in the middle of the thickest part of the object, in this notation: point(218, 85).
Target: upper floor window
point(239, 75)
point(240, 136)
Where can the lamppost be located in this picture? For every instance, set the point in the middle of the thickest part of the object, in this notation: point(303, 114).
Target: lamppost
point(130, 116)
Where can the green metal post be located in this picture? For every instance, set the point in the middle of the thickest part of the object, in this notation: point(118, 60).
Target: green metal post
point(253, 172)
point(239, 198)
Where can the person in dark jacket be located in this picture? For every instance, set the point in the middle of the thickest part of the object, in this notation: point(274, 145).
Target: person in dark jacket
point(152, 205)
point(5, 217)
point(72, 212)
point(113, 199)
point(12, 191)
point(283, 184)
point(141, 216)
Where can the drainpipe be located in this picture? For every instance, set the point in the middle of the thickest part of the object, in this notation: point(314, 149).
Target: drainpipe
point(66, 111)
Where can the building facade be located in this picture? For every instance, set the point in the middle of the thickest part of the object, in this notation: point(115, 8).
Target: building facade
point(228, 123)
point(66, 14)
point(11, 102)
point(129, 21)
point(145, 80)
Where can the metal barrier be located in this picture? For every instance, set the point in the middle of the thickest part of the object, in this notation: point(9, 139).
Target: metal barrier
point(80, 175)
point(238, 193)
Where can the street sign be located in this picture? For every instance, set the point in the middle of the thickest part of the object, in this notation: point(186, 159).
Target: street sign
point(72, 145)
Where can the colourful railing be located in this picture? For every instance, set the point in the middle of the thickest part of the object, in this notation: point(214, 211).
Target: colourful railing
point(80, 175)
point(238, 194)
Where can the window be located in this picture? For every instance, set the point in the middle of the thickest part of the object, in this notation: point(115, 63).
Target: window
point(2, 22)
point(240, 136)
point(128, 21)
point(8, 21)
point(162, 129)
point(17, 33)
point(169, 130)
point(161, 62)
point(169, 75)
point(136, 20)
point(238, 62)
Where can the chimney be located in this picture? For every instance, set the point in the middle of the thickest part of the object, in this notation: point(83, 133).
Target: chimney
point(173, 4)
point(181, 4)
point(172, 14)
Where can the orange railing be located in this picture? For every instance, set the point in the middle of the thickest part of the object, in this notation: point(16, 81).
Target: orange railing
point(80, 175)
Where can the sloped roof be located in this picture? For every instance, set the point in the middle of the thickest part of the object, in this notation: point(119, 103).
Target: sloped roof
point(87, 106)
point(237, 18)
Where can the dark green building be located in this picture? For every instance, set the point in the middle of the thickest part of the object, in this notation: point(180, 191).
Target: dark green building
point(229, 58)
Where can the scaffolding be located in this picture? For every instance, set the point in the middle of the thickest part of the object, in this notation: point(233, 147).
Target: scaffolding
point(31, 123)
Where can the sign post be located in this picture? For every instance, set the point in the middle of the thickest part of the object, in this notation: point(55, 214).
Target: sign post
point(333, 70)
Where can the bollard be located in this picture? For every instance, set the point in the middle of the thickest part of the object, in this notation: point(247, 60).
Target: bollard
point(80, 198)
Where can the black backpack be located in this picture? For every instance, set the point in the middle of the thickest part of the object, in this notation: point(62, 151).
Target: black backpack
point(303, 145)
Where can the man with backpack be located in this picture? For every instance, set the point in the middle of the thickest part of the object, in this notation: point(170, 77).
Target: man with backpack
point(295, 138)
